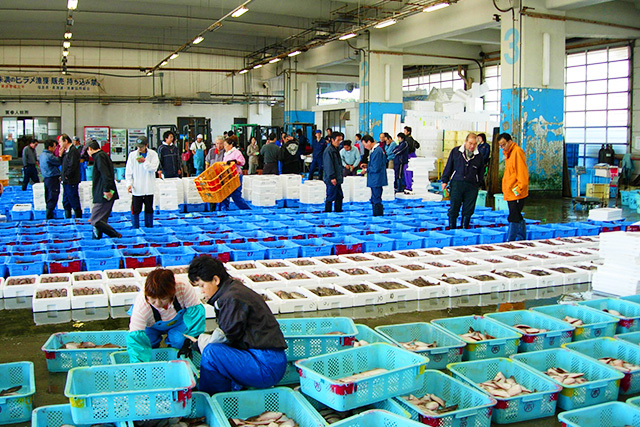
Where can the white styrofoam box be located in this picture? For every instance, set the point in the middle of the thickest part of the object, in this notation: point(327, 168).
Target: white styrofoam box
point(265, 203)
point(1, 292)
point(243, 267)
point(361, 259)
point(487, 250)
point(272, 301)
point(572, 242)
point(533, 245)
point(497, 262)
point(585, 254)
point(89, 301)
point(344, 300)
point(386, 270)
point(590, 267)
point(269, 280)
point(412, 269)
point(295, 277)
point(327, 274)
point(122, 298)
point(428, 286)
point(360, 299)
point(11, 291)
point(51, 304)
point(21, 207)
point(468, 287)
point(442, 266)
point(355, 273)
point(409, 255)
point(605, 214)
point(496, 284)
point(74, 277)
point(471, 264)
point(276, 265)
point(386, 257)
point(333, 261)
point(545, 257)
point(60, 278)
point(407, 291)
point(305, 263)
point(130, 273)
point(298, 305)
point(548, 279)
point(522, 281)
point(435, 254)
point(421, 106)
point(570, 256)
point(512, 247)
point(521, 260)
point(615, 284)
point(290, 185)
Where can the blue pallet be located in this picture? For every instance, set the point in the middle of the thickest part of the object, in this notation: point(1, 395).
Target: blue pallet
point(630, 319)
point(596, 324)
point(504, 344)
point(318, 375)
point(247, 251)
point(375, 243)
point(558, 332)
point(98, 260)
point(25, 265)
point(612, 414)
point(312, 336)
point(17, 408)
point(603, 382)
point(539, 404)
point(181, 255)
point(113, 391)
point(448, 347)
point(618, 349)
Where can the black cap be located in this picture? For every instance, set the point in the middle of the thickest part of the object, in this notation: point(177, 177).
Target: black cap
point(142, 140)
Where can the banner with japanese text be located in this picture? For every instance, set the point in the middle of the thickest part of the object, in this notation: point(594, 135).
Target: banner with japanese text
point(49, 85)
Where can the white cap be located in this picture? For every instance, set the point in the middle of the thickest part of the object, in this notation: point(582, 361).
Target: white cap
point(199, 136)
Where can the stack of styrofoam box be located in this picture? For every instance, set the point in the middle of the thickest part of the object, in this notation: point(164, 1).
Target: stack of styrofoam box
point(191, 195)
point(605, 214)
point(421, 166)
point(312, 192)
point(388, 192)
point(620, 273)
point(85, 191)
point(265, 190)
point(4, 170)
point(39, 203)
point(168, 194)
point(247, 182)
point(356, 188)
point(123, 204)
point(290, 185)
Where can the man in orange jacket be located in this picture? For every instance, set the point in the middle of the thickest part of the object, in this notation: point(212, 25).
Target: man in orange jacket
point(515, 186)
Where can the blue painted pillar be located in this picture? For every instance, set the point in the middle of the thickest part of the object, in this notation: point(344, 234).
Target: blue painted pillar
point(532, 95)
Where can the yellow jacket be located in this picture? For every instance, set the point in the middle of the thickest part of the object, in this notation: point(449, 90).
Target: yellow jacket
point(516, 175)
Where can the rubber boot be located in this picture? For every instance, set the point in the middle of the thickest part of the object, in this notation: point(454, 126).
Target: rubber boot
point(466, 222)
point(148, 220)
point(78, 213)
point(522, 230)
point(97, 233)
point(67, 213)
point(328, 206)
point(107, 229)
point(453, 223)
point(135, 220)
point(50, 214)
point(338, 205)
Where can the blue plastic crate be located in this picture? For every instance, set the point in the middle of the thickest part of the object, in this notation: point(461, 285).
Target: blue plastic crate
point(130, 243)
point(130, 232)
point(187, 229)
point(505, 343)
point(539, 404)
point(449, 347)
point(618, 349)
point(346, 244)
point(90, 244)
point(140, 258)
point(612, 414)
point(180, 255)
point(157, 231)
point(64, 247)
point(245, 404)
point(632, 337)
point(319, 375)
point(280, 249)
point(257, 236)
point(98, 260)
point(461, 237)
point(59, 416)
point(377, 418)
point(20, 215)
point(370, 336)
point(563, 230)
point(317, 232)
point(288, 234)
point(538, 232)
point(162, 241)
point(315, 247)
point(634, 401)
point(222, 252)
point(375, 242)
point(558, 332)
point(406, 241)
point(133, 391)
point(247, 251)
point(31, 239)
point(62, 360)
point(489, 235)
point(474, 407)
point(603, 382)
point(586, 229)
point(595, 324)
point(35, 249)
point(311, 337)
point(435, 239)
point(64, 262)
point(195, 207)
point(25, 265)
point(17, 408)
point(163, 354)
point(630, 319)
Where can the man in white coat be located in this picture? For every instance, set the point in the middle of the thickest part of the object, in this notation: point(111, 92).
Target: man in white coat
point(140, 175)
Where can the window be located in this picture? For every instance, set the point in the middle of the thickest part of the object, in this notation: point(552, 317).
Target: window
point(597, 93)
point(334, 119)
point(492, 99)
point(441, 79)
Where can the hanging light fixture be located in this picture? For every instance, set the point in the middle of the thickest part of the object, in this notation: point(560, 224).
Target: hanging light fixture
point(72, 4)
point(174, 55)
point(294, 53)
point(243, 71)
point(436, 6)
point(387, 23)
point(66, 44)
point(274, 60)
point(347, 36)
point(68, 35)
point(197, 40)
point(239, 12)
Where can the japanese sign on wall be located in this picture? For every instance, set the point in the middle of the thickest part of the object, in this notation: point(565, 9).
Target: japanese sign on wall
point(49, 84)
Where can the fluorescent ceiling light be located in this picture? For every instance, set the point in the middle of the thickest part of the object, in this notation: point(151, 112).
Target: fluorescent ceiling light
point(66, 44)
point(274, 60)
point(436, 6)
point(244, 71)
point(197, 40)
point(386, 23)
point(68, 35)
point(347, 36)
point(257, 66)
point(294, 53)
point(65, 52)
point(163, 63)
point(174, 55)
point(149, 73)
point(239, 12)
point(72, 4)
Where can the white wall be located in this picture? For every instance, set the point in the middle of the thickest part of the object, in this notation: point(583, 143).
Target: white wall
point(635, 107)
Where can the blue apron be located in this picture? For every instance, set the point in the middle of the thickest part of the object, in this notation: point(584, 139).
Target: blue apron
point(198, 161)
point(174, 327)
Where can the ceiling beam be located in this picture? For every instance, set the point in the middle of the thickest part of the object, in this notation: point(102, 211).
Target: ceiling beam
point(572, 4)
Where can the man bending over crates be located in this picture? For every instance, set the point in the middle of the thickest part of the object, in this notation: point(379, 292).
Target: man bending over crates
point(166, 307)
point(248, 348)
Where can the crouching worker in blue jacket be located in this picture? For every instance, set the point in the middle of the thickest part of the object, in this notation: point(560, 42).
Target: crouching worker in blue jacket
point(248, 348)
point(164, 308)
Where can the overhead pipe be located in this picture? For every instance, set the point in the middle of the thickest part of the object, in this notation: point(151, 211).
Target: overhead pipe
point(529, 13)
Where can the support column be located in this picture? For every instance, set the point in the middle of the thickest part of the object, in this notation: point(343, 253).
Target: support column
point(300, 97)
point(532, 95)
point(380, 87)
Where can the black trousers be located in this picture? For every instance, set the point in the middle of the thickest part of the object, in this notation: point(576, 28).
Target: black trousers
point(270, 169)
point(463, 194)
point(30, 173)
point(51, 194)
point(71, 200)
point(138, 201)
point(515, 210)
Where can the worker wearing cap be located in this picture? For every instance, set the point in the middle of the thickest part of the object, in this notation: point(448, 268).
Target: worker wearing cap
point(140, 177)
point(198, 149)
point(317, 148)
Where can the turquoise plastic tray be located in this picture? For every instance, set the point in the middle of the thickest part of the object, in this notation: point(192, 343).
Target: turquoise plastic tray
point(596, 323)
point(17, 408)
point(612, 414)
point(62, 360)
point(630, 319)
point(377, 418)
point(60, 415)
point(308, 337)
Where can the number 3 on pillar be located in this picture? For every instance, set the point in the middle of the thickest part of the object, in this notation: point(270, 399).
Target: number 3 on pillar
point(513, 37)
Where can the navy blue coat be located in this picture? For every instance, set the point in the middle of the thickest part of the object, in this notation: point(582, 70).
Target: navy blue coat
point(459, 168)
point(332, 165)
point(402, 153)
point(377, 168)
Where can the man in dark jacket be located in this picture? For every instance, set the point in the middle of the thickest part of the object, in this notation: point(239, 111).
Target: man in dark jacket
point(105, 192)
point(289, 156)
point(463, 174)
point(400, 162)
point(169, 156)
point(71, 176)
point(332, 165)
point(317, 148)
point(50, 168)
point(248, 348)
point(376, 173)
point(412, 146)
point(29, 164)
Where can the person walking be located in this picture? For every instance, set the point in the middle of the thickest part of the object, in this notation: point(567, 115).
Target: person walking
point(233, 156)
point(464, 175)
point(198, 149)
point(271, 154)
point(317, 150)
point(141, 178)
point(105, 192)
point(412, 146)
point(332, 164)
point(169, 156)
point(400, 162)
point(376, 173)
point(485, 150)
point(71, 176)
point(252, 152)
point(50, 168)
point(29, 164)
point(515, 186)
